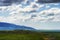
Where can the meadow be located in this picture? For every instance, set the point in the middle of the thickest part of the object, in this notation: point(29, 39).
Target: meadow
point(28, 35)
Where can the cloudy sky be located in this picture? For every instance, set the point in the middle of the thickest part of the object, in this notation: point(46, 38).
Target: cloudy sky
point(44, 15)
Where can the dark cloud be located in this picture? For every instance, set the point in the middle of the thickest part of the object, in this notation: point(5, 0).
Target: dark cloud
point(9, 2)
point(48, 1)
point(51, 14)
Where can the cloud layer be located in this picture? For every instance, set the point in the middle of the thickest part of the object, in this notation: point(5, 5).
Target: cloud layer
point(9, 2)
point(30, 13)
point(48, 1)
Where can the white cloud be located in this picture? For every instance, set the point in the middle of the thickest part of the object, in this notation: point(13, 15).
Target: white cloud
point(18, 15)
point(51, 13)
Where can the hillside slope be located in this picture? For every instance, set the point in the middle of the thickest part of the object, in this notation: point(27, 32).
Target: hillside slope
point(8, 26)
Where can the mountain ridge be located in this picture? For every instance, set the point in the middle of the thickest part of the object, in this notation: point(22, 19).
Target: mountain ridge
point(9, 26)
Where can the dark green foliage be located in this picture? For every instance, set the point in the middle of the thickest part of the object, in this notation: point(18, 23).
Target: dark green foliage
point(28, 35)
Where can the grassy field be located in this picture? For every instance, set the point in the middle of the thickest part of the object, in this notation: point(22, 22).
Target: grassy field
point(28, 35)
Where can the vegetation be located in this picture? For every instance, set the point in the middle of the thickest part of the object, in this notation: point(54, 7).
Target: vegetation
point(28, 35)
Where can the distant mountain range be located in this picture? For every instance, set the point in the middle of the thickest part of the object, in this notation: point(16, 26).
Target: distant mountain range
point(8, 26)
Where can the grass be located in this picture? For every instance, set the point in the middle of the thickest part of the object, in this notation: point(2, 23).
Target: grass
point(28, 35)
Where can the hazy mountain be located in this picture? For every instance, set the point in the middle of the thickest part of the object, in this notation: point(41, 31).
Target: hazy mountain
point(8, 26)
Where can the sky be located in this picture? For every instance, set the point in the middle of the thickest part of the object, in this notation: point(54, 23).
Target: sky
point(41, 15)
